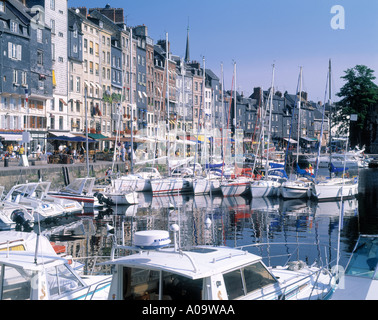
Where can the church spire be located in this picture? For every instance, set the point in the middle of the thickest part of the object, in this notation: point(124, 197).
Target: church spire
point(187, 57)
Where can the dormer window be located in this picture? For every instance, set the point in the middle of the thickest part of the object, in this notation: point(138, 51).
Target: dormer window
point(14, 26)
point(2, 6)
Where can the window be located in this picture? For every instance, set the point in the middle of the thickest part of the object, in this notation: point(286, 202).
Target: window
point(85, 45)
point(14, 26)
point(60, 123)
point(97, 69)
point(20, 286)
point(40, 57)
point(91, 67)
point(96, 49)
point(39, 36)
point(2, 6)
point(86, 66)
point(75, 48)
point(52, 25)
point(71, 84)
point(60, 105)
point(15, 76)
point(14, 51)
point(91, 47)
point(75, 34)
point(52, 4)
point(77, 106)
point(23, 78)
point(256, 277)
point(77, 84)
point(53, 51)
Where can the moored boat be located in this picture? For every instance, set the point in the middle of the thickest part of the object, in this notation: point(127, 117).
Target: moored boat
point(41, 274)
point(359, 281)
point(157, 272)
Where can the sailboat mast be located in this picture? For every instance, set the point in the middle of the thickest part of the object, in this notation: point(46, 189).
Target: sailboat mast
point(131, 104)
point(222, 120)
point(330, 118)
point(270, 123)
point(235, 113)
point(167, 94)
point(299, 111)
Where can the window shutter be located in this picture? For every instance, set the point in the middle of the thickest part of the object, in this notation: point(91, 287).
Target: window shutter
point(19, 52)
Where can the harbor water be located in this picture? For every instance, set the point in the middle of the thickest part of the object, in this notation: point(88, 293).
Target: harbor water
point(229, 221)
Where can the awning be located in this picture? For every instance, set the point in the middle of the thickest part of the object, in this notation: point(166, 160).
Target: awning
point(66, 136)
point(96, 136)
point(309, 139)
point(62, 133)
point(62, 101)
point(290, 141)
point(11, 137)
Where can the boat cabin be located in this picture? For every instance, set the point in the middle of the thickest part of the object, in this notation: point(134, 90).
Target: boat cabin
point(201, 273)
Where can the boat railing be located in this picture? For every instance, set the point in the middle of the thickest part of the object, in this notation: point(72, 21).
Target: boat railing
point(94, 288)
point(322, 267)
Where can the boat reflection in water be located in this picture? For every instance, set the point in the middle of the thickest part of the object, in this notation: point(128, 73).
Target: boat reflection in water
point(216, 221)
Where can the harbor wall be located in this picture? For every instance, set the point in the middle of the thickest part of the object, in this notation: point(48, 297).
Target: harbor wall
point(58, 175)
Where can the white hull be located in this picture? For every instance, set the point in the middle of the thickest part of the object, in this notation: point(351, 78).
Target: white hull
point(265, 188)
point(235, 187)
point(122, 198)
point(297, 190)
point(132, 183)
point(171, 185)
point(205, 185)
point(333, 191)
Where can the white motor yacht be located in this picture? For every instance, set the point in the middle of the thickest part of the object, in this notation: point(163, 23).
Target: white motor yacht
point(41, 274)
point(157, 272)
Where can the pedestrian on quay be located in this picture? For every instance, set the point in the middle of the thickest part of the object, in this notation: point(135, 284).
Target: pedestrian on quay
point(38, 152)
point(21, 152)
point(123, 152)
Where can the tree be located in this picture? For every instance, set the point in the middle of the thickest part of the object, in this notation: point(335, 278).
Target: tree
point(359, 96)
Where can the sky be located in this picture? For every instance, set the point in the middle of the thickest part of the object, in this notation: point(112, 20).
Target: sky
point(255, 34)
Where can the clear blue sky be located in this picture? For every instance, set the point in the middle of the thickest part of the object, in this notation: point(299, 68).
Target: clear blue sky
point(258, 33)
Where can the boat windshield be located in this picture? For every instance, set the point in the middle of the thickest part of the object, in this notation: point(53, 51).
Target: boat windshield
point(74, 187)
point(365, 258)
point(255, 276)
point(15, 284)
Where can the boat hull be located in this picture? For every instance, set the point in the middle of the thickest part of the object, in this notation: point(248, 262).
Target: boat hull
point(260, 189)
point(329, 191)
point(132, 184)
point(230, 189)
point(122, 198)
point(293, 190)
point(205, 186)
point(172, 185)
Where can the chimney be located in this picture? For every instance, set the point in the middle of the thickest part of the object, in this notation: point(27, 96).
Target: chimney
point(256, 93)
